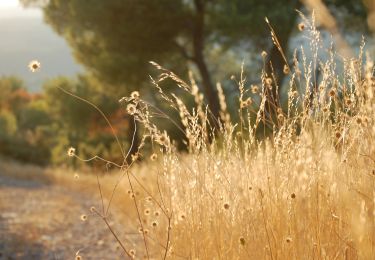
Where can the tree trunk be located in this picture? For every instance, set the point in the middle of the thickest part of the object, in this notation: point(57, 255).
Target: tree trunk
point(198, 58)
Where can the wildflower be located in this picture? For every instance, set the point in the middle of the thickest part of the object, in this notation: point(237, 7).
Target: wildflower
point(135, 95)
point(254, 89)
point(83, 217)
point(34, 65)
point(153, 157)
point(71, 151)
point(131, 109)
point(301, 26)
point(242, 241)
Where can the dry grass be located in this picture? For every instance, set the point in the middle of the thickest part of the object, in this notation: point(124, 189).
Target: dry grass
point(304, 191)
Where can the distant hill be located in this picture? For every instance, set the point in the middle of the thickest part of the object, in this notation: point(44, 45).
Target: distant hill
point(26, 38)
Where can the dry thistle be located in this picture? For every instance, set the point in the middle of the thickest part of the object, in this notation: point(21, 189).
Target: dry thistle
point(135, 95)
point(34, 65)
point(254, 89)
point(286, 69)
point(301, 26)
point(131, 109)
point(71, 151)
point(153, 157)
point(268, 81)
point(332, 92)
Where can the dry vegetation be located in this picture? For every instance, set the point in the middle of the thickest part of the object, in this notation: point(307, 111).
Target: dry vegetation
point(303, 191)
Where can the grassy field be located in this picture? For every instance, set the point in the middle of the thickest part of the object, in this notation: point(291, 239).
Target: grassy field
point(289, 180)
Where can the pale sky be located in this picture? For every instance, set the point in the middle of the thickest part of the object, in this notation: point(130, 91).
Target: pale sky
point(13, 9)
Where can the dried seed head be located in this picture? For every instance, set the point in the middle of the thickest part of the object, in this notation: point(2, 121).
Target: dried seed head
point(154, 224)
point(132, 252)
point(332, 92)
point(147, 212)
point(242, 241)
point(34, 65)
point(93, 209)
point(181, 216)
point(325, 109)
point(268, 81)
point(293, 195)
point(288, 240)
point(156, 213)
point(226, 206)
point(135, 95)
point(286, 69)
point(337, 134)
point(301, 26)
point(83, 217)
point(280, 117)
point(78, 257)
point(71, 151)
point(153, 157)
point(348, 102)
point(359, 120)
point(254, 89)
point(131, 109)
point(264, 54)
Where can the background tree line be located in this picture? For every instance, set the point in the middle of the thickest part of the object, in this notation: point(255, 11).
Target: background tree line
point(115, 39)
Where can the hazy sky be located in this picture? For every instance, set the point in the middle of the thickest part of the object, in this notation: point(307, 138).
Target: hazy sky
point(12, 9)
point(25, 37)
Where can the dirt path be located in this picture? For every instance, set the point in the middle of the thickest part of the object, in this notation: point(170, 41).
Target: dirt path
point(43, 221)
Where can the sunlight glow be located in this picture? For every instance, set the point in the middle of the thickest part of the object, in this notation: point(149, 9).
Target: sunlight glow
point(9, 4)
